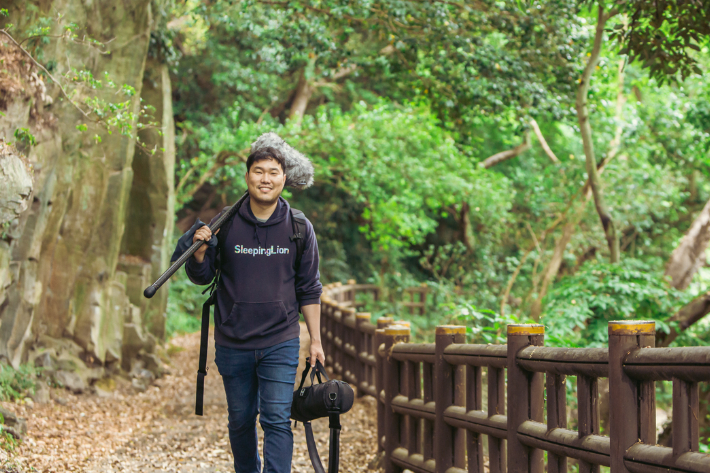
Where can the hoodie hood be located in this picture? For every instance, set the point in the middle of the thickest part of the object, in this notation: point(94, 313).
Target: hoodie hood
point(261, 230)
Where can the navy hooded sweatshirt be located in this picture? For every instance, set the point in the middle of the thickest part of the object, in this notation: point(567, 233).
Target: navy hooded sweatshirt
point(260, 292)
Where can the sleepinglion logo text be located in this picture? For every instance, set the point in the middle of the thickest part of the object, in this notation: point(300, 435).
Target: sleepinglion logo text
point(239, 249)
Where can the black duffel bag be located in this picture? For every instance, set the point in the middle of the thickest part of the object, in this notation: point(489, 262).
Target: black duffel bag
point(329, 399)
point(320, 400)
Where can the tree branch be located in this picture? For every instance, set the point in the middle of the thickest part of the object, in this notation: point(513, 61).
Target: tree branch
point(344, 71)
point(586, 132)
point(686, 317)
point(221, 160)
point(40, 66)
point(542, 141)
point(508, 154)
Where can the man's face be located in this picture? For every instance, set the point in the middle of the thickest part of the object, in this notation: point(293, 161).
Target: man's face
point(265, 181)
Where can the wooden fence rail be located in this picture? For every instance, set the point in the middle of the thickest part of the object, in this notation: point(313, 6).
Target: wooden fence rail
point(430, 412)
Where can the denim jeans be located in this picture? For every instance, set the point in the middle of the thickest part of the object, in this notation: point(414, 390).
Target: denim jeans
point(260, 381)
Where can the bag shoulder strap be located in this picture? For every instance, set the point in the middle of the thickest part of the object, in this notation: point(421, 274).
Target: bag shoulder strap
point(205, 325)
point(333, 424)
point(298, 222)
point(312, 449)
point(204, 342)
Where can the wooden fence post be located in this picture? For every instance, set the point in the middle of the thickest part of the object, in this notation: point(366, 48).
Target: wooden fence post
point(629, 419)
point(497, 457)
point(393, 334)
point(348, 321)
point(525, 398)
point(382, 323)
point(556, 416)
point(444, 395)
point(325, 330)
point(360, 341)
point(337, 324)
point(352, 292)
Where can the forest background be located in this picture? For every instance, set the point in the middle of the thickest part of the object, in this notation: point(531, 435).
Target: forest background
point(527, 161)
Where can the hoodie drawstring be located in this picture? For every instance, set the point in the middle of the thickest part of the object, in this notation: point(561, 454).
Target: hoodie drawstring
point(256, 234)
point(266, 236)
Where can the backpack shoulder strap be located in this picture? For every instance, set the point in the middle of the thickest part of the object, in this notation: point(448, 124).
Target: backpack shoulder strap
point(298, 220)
point(205, 325)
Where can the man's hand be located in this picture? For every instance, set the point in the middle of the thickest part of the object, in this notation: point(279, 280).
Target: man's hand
point(317, 352)
point(311, 313)
point(203, 233)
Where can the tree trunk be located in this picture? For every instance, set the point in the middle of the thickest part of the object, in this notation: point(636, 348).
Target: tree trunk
point(304, 91)
point(465, 223)
point(554, 266)
point(689, 255)
point(586, 131)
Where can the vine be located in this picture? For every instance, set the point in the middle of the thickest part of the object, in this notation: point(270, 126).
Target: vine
point(96, 111)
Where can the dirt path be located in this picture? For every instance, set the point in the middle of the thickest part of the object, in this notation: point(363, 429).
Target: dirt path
point(157, 431)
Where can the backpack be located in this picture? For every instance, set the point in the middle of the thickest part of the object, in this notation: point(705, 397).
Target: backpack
point(298, 223)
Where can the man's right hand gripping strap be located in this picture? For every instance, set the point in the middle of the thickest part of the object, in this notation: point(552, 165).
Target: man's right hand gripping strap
point(204, 342)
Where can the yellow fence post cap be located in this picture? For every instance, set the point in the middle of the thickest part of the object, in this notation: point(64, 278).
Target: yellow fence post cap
point(351, 282)
point(363, 316)
point(406, 323)
point(450, 329)
point(632, 327)
point(397, 330)
point(382, 322)
point(526, 329)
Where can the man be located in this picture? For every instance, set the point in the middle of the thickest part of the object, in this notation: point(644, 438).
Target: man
point(259, 294)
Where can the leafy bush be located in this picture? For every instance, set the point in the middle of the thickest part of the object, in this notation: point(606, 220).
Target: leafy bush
point(17, 383)
point(184, 305)
point(580, 306)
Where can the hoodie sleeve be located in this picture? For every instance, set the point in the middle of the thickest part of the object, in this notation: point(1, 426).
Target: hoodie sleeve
point(308, 285)
point(203, 273)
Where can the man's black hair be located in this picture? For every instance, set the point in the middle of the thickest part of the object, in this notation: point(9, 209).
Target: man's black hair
point(264, 154)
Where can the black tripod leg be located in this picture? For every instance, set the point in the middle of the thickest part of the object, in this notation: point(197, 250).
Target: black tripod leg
point(334, 453)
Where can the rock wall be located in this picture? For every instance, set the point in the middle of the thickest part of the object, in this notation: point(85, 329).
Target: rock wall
point(99, 224)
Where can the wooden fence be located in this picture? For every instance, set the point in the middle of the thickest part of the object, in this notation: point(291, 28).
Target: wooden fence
point(414, 299)
point(430, 412)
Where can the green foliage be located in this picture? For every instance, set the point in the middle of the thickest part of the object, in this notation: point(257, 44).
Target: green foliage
point(483, 325)
point(408, 99)
point(184, 309)
point(580, 306)
point(663, 35)
point(23, 135)
point(86, 93)
point(17, 383)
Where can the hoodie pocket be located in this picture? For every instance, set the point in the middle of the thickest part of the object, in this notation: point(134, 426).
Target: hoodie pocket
point(255, 319)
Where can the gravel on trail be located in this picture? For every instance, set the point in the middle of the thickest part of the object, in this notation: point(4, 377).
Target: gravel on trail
point(121, 430)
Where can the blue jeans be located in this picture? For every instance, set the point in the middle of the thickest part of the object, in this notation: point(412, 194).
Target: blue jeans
point(260, 381)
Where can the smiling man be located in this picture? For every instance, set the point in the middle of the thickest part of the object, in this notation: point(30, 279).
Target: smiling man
point(260, 291)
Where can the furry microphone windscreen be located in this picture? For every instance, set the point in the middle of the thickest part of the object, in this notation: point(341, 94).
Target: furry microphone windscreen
point(299, 169)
